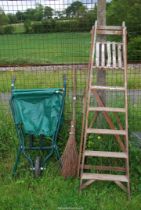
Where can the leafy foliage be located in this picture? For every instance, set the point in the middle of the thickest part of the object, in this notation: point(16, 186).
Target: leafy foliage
point(48, 12)
point(3, 18)
point(76, 9)
point(127, 10)
point(8, 29)
point(134, 49)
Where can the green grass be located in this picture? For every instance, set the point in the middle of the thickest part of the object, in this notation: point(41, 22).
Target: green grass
point(51, 191)
point(18, 28)
point(39, 79)
point(44, 48)
point(42, 79)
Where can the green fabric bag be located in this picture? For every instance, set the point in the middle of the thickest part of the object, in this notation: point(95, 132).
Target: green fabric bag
point(38, 110)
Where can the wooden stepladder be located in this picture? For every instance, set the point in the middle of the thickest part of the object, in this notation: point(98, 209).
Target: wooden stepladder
point(108, 56)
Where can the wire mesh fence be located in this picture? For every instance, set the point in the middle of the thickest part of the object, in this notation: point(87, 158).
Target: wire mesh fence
point(42, 40)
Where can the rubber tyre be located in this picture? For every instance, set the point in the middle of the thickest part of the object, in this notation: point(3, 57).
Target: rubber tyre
point(37, 167)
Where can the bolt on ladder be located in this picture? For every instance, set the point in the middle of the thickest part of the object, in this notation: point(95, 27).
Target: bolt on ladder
point(106, 55)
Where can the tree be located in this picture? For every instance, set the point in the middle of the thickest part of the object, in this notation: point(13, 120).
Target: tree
point(59, 14)
point(39, 12)
point(127, 10)
point(12, 18)
point(30, 14)
point(76, 9)
point(3, 18)
point(20, 16)
point(87, 21)
point(48, 12)
point(28, 26)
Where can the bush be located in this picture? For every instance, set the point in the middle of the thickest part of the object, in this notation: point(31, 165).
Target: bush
point(60, 26)
point(134, 49)
point(28, 26)
point(8, 30)
point(44, 27)
point(1, 30)
point(37, 28)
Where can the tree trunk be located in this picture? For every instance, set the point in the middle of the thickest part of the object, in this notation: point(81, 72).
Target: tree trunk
point(101, 73)
point(101, 20)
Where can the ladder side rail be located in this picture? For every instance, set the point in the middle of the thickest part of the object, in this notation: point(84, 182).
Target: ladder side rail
point(89, 92)
point(93, 38)
point(126, 99)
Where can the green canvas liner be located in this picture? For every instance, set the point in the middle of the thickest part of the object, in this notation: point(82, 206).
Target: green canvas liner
point(37, 110)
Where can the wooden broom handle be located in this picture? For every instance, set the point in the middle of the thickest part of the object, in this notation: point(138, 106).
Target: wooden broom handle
point(74, 96)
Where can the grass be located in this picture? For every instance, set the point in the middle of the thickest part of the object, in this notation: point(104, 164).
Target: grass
point(18, 28)
point(51, 191)
point(44, 48)
point(42, 79)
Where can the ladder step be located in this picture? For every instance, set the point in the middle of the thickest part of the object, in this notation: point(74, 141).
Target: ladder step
point(106, 131)
point(108, 67)
point(107, 109)
point(105, 154)
point(109, 32)
point(108, 88)
point(104, 177)
point(110, 28)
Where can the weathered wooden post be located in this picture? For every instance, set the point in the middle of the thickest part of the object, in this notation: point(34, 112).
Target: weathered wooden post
point(101, 20)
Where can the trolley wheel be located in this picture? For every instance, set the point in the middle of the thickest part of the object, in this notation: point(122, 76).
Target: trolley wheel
point(37, 167)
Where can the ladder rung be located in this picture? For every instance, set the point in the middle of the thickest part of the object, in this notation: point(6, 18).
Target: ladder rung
point(109, 32)
point(107, 109)
point(108, 88)
point(105, 154)
point(110, 28)
point(108, 42)
point(103, 168)
point(104, 177)
point(108, 67)
point(106, 131)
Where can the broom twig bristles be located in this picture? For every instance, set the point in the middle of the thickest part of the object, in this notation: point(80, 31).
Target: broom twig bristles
point(70, 156)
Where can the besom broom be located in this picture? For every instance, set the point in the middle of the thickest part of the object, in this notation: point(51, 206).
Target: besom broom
point(70, 155)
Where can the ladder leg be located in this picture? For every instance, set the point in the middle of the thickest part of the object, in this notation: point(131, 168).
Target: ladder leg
point(87, 99)
point(82, 135)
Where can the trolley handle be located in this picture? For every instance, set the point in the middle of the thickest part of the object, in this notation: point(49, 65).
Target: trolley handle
point(13, 82)
point(65, 81)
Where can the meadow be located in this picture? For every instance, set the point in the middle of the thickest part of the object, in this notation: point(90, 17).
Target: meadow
point(51, 48)
point(51, 191)
point(42, 78)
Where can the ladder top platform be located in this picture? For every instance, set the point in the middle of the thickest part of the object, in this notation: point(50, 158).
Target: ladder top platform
point(108, 54)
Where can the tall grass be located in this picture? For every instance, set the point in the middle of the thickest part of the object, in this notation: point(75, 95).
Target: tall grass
point(51, 191)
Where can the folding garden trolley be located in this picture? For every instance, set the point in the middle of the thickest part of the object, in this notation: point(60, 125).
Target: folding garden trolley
point(37, 115)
